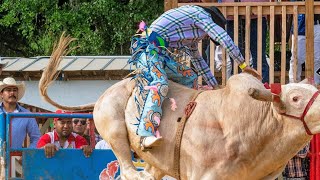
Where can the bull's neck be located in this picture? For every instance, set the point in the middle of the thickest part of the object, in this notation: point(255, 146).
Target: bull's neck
point(284, 138)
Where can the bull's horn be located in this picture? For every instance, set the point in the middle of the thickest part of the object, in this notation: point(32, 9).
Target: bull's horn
point(261, 95)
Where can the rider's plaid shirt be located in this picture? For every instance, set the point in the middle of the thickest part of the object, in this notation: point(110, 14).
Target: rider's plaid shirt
point(185, 27)
point(298, 166)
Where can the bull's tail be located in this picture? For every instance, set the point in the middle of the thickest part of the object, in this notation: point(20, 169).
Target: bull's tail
point(50, 74)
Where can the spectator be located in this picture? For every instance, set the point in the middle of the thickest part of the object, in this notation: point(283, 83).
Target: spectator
point(79, 126)
point(97, 135)
point(301, 53)
point(253, 37)
point(297, 167)
point(62, 137)
point(102, 145)
point(2, 65)
point(10, 93)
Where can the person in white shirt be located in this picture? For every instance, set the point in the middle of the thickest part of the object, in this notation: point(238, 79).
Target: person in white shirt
point(102, 145)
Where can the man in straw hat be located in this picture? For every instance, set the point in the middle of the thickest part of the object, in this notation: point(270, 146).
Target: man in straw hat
point(10, 93)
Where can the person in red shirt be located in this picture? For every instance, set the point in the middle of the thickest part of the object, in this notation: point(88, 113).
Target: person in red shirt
point(62, 137)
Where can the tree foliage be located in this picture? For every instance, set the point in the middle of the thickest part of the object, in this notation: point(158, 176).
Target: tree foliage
point(103, 27)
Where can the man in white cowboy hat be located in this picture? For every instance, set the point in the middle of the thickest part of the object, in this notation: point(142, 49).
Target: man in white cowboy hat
point(2, 65)
point(10, 93)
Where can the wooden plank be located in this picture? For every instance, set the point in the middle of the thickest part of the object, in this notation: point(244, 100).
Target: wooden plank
point(247, 36)
point(271, 42)
point(200, 51)
point(295, 43)
point(236, 36)
point(283, 45)
point(212, 55)
point(259, 43)
point(232, 4)
point(277, 7)
point(309, 68)
point(224, 58)
point(174, 4)
point(167, 5)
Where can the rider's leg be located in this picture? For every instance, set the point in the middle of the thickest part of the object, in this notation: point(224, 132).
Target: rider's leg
point(181, 74)
point(157, 89)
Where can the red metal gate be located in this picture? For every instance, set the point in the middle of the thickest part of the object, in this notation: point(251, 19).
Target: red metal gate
point(315, 158)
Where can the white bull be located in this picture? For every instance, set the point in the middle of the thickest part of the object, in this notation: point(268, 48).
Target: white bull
point(229, 135)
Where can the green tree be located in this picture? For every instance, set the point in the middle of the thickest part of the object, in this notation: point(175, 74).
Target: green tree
point(103, 27)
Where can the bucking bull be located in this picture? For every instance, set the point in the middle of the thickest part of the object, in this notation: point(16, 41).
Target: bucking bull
point(242, 131)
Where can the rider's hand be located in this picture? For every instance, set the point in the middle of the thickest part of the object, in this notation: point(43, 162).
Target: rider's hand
point(87, 150)
point(50, 150)
point(252, 71)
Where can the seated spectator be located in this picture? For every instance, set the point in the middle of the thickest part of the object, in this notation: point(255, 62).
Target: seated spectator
point(79, 126)
point(102, 145)
point(62, 137)
point(298, 166)
point(97, 135)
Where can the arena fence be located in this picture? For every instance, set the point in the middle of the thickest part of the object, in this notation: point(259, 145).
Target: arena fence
point(275, 11)
point(27, 163)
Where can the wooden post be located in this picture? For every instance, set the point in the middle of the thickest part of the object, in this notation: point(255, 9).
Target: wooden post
point(309, 70)
point(167, 5)
point(259, 43)
point(236, 35)
point(170, 4)
point(295, 43)
point(283, 44)
point(271, 42)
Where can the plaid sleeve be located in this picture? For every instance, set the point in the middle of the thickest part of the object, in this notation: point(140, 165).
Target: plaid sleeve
point(218, 34)
point(201, 66)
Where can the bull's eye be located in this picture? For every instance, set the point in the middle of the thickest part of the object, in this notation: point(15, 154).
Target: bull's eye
point(295, 99)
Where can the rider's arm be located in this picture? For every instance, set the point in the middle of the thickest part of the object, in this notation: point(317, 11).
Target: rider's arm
point(220, 35)
point(201, 66)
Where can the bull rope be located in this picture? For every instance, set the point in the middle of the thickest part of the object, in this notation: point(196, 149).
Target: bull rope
point(182, 122)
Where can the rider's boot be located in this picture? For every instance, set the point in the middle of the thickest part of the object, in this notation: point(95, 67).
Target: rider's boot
point(150, 141)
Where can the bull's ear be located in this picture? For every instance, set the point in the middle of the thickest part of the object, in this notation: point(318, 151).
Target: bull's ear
point(260, 94)
point(278, 104)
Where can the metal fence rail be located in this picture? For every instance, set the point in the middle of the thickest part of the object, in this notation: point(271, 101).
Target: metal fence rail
point(66, 164)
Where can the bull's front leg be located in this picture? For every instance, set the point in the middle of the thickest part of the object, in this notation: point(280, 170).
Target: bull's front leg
point(157, 173)
point(115, 133)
